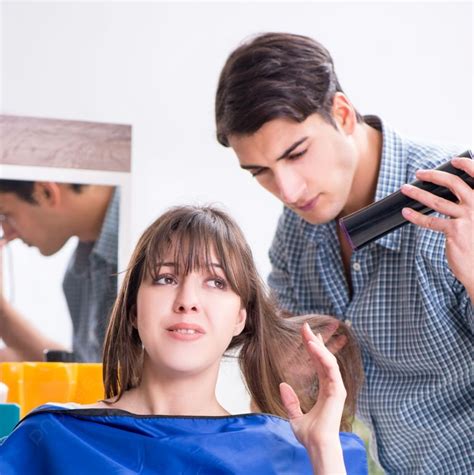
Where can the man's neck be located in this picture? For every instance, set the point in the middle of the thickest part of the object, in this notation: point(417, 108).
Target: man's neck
point(91, 210)
point(369, 144)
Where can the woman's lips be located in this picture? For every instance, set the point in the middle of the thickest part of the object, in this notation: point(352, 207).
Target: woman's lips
point(185, 331)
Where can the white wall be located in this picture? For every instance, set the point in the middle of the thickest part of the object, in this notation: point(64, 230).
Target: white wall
point(155, 66)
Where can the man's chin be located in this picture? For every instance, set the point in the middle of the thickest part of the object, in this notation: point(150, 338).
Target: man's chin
point(47, 252)
point(314, 217)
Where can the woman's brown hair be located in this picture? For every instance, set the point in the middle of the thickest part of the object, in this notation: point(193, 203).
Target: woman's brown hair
point(270, 346)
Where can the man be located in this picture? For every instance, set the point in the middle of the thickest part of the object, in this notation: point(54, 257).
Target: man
point(46, 215)
point(409, 295)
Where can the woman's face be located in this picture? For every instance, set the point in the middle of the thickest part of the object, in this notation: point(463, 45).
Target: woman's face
point(186, 322)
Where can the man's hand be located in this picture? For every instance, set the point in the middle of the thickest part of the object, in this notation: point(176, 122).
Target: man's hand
point(458, 227)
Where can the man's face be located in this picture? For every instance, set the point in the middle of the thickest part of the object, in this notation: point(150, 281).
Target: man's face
point(309, 166)
point(30, 222)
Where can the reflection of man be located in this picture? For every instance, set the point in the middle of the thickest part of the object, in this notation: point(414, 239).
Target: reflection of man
point(409, 296)
point(46, 215)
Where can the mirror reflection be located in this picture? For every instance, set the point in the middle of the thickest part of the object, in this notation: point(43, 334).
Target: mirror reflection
point(46, 215)
point(64, 193)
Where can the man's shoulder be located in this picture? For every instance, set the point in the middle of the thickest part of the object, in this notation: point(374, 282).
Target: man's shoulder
point(428, 155)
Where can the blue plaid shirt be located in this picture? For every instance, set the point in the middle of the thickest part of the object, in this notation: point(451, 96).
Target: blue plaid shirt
point(90, 286)
point(413, 320)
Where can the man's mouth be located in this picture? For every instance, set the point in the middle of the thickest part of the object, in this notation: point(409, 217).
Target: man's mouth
point(308, 205)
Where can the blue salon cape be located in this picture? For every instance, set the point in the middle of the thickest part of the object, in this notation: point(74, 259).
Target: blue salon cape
point(54, 440)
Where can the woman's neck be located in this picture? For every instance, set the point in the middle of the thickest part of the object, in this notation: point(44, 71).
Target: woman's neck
point(173, 395)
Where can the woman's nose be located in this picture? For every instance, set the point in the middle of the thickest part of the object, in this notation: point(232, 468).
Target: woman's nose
point(187, 298)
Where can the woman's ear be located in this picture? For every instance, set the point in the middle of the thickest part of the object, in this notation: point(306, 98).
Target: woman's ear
point(240, 324)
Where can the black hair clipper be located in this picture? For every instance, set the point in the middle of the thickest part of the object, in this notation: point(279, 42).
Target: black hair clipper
point(384, 216)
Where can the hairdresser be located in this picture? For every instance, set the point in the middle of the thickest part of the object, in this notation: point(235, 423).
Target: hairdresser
point(45, 215)
point(408, 296)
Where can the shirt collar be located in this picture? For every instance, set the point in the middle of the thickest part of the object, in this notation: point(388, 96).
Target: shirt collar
point(392, 172)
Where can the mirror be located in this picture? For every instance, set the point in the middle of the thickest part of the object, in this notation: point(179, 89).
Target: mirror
point(64, 204)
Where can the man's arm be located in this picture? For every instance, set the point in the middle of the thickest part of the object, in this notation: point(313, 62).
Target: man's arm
point(24, 342)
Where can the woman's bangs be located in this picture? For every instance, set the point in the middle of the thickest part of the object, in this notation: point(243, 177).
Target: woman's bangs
point(189, 250)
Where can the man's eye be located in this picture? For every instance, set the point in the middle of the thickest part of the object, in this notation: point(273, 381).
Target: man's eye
point(217, 283)
point(164, 280)
point(257, 171)
point(295, 156)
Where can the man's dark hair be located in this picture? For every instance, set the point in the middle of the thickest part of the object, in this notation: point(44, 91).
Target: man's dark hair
point(25, 189)
point(274, 75)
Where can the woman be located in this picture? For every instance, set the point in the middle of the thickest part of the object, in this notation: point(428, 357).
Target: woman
point(190, 294)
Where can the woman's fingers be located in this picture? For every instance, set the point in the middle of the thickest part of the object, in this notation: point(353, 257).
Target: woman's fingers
point(336, 343)
point(325, 362)
point(290, 401)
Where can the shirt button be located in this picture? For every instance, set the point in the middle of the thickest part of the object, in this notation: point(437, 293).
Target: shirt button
point(356, 266)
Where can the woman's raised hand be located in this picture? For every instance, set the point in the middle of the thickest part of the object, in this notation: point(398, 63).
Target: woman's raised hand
point(318, 430)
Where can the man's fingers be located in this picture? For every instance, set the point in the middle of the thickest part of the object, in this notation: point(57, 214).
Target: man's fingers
point(6, 238)
point(464, 163)
point(429, 222)
point(453, 182)
point(290, 401)
point(434, 202)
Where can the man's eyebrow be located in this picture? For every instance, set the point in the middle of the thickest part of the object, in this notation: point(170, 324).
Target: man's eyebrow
point(251, 167)
point(283, 155)
point(291, 148)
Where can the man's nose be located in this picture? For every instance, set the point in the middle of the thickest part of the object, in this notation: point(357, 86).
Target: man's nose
point(290, 186)
point(8, 232)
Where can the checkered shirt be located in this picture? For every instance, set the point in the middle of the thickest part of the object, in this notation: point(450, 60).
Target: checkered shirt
point(413, 320)
point(90, 286)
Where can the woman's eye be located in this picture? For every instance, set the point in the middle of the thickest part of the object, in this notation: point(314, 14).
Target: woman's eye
point(217, 283)
point(164, 280)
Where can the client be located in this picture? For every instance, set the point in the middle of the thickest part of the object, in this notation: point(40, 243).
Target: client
point(191, 295)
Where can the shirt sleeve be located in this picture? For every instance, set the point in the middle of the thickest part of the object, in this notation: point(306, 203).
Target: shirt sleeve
point(279, 279)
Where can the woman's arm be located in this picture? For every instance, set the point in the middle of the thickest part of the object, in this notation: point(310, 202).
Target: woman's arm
point(318, 430)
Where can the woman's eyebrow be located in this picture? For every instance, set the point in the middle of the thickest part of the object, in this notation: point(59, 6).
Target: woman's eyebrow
point(172, 264)
point(165, 264)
